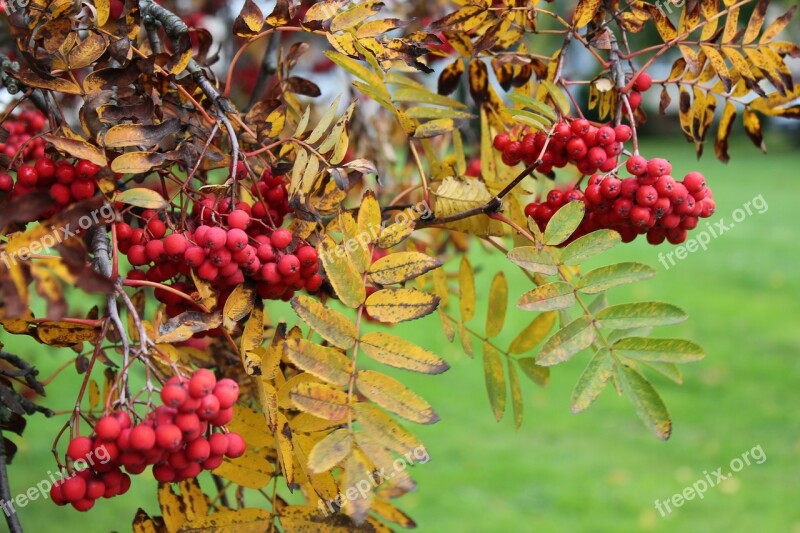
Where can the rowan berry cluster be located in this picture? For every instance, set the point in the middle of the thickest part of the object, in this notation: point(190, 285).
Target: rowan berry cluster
point(649, 202)
point(177, 438)
point(21, 129)
point(588, 147)
point(226, 243)
point(65, 181)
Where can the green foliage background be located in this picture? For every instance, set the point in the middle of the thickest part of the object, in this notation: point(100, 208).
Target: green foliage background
point(600, 470)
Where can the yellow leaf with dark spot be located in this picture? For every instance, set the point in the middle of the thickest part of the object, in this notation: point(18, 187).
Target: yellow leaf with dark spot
point(533, 334)
point(64, 333)
point(237, 306)
point(466, 288)
point(79, 149)
point(331, 325)
point(326, 363)
point(393, 396)
point(495, 380)
point(585, 12)
point(401, 267)
point(137, 162)
point(400, 353)
point(246, 520)
point(330, 451)
point(385, 430)
point(320, 400)
point(398, 305)
point(342, 273)
point(251, 470)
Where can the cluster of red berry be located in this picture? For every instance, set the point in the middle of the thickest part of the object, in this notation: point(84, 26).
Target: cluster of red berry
point(588, 147)
point(177, 438)
point(21, 129)
point(651, 201)
point(66, 182)
point(229, 242)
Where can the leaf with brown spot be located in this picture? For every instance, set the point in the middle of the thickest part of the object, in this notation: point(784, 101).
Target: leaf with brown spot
point(465, 19)
point(58, 85)
point(137, 162)
point(399, 305)
point(385, 430)
point(142, 197)
point(330, 451)
point(399, 353)
point(329, 364)
point(752, 126)
point(400, 267)
point(183, 326)
point(141, 135)
point(250, 20)
point(320, 400)
point(79, 149)
point(393, 396)
point(281, 14)
point(64, 333)
point(724, 131)
point(342, 273)
point(584, 12)
point(237, 306)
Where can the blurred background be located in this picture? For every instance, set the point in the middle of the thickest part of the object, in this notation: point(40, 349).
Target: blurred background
point(600, 470)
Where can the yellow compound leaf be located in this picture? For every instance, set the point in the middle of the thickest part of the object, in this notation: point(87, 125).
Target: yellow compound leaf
point(395, 234)
point(533, 334)
point(238, 305)
point(498, 302)
point(400, 267)
point(495, 380)
point(399, 305)
point(331, 325)
point(328, 364)
point(342, 273)
point(357, 481)
point(251, 470)
point(400, 353)
point(466, 287)
point(247, 520)
point(330, 451)
point(320, 400)
point(393, 396)
point(64, 333)
point(79, 149)
point(385, 430)
point(172, 508)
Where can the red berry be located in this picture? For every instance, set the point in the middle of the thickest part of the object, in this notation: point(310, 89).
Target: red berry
point(555, 198)
point(236, 239)
point(215, 238)
point(501, 140)
point(213, 462)
point(643, 82)
point(218, 444)
point(169, 437)
point(57, 495)
point(142, 437)
point(636, 165)
point(175, 245)
point(662, 207)
point(27, 176)
point(79, 448)
point(656, 236)
point(194, 256)
point(46, 169)
point(288, 265)
point(154, 250)
point(606, 135)
point(187, 422)
point(198, 450)
point(236, 445)
point(676, 235)
point(209, 407)
point(223, 417)
point(86, 170)
point(74, 488)
point(576, 147)
point(95, 489)
point(610, 188)
point(562, 132)
point(108, 428)
point(658, 167)
point(281, 238)
point(594, 194)
point(6, 182)
point(679, 193)
point(596, 156)
point(82, 189)
point(308, 256)
point(163, 473)
point(65, 173)
point(580, 126)
point(173, 395)
point(640, 216)
point(646, 195)
point(83, 505)
point(202, 383)
point(314, 283)
point(635, 99)
point(238, 219)
point(694, 182)
point(622, 207)
point(60, 193)
point(708, 207)
point(208, 271)
point(664, 185)
point(623, 133)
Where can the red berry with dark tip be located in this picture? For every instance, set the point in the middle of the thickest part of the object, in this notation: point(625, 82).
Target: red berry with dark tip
point(236, 445)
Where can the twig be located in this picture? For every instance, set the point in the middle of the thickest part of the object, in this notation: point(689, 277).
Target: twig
point(11, 518)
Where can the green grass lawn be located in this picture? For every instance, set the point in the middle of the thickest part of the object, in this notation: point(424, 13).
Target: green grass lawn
point(600, 470)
